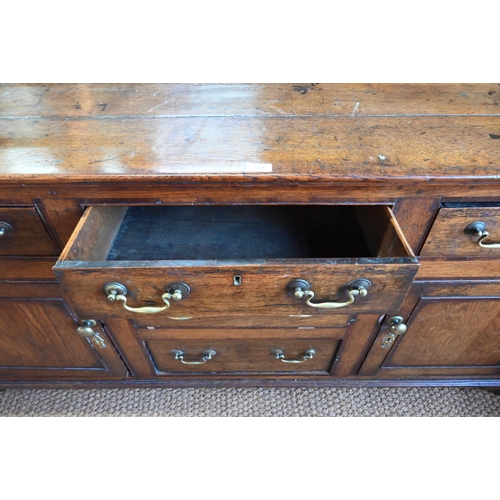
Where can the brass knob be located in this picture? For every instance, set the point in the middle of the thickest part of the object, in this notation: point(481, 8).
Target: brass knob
point(5, 228)
point(397, 328)
point(86, 329)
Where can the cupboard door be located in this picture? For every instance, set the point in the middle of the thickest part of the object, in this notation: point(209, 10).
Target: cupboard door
point(451, 330)
point(38, 339)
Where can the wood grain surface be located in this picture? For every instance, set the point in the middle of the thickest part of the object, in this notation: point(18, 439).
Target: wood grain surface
point(451, 332)
point(448, 240)
point(263, 290)
point(67, 147)
point(282, 99)
point(39, 340)
point(61, 217)
point(315, 132)
point(297, 321)
point(38, 269)
point(432, 269)
point(415, 217)
point(242, 354)
point(28, 235)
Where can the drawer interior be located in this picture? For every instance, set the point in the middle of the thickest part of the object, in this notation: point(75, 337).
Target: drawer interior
point(243, 233)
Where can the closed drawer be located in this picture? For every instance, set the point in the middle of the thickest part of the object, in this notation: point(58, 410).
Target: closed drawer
point(236, 261)
point(242, 350)
point(453, 234)
point(22, 233)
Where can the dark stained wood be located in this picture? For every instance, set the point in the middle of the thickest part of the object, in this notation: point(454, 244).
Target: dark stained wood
point(131, 347)
point(94, 234)
point(28, 235)
point(241, 333)
point(242, 354)
point(382, 232)
point(452, 331)
point(263, 290)
point(244, 233)
point(39, 339)
point(415, 216)
point(61, 217)
point(299, 321)
point(27, 269)
point(68, 147)
point(29, 290)
point(263, 287)
point(452, 269)
point(355, 345)
point(244, 193)
point(447, 238)
point(285, 99)
point(248, 380)
point(341, 149)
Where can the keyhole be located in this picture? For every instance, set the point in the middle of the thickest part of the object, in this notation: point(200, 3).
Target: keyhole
point(237, 280)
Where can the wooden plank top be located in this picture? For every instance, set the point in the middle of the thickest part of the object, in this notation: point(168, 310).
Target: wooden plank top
point(236, 133)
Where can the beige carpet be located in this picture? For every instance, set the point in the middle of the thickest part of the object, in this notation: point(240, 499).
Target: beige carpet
point(384, 402)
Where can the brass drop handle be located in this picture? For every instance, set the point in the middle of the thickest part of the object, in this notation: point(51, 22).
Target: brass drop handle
point(397, 328)
point(86, 331)
point(5, 228)
point(206, 356)
point(280, 354)
point(116, 292)
point(356, 288)
point(478, 230)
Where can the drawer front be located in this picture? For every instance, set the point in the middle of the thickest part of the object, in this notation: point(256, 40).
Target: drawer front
point(243, 350)
point(448, 239)
point(23, 233)
point(359, 246)
point(263, 289)
point(301, 321)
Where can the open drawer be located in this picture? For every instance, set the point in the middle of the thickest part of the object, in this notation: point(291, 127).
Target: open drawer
point(235, 260)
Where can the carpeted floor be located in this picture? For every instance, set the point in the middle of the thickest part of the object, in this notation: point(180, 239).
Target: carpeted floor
point(385, 402)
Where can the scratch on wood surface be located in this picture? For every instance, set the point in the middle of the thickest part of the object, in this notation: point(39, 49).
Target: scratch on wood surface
point(166, 101)
point(355, 110)
point(280, 111)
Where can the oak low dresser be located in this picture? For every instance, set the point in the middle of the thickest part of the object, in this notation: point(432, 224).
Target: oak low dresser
point(299, 235)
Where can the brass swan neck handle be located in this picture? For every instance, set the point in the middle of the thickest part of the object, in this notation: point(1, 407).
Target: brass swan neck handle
point(356, 288)
point(116, 292)
point(205, 356)
point(478, 230)
point(280, 354)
